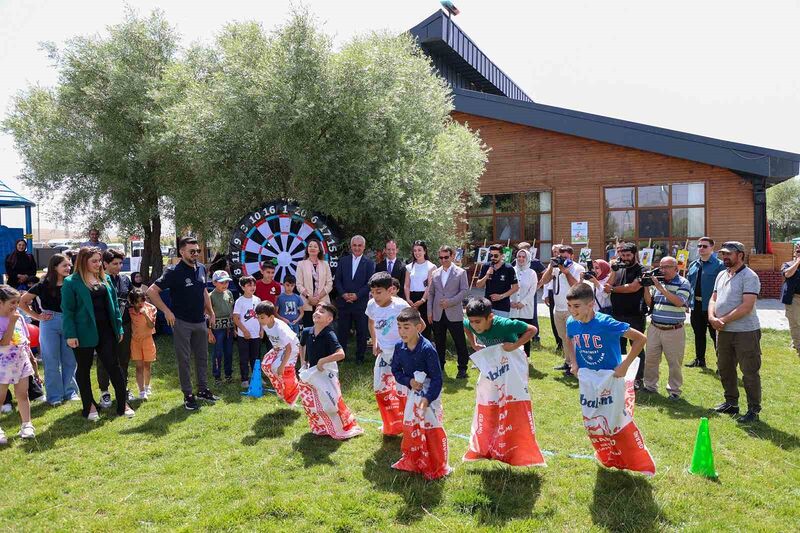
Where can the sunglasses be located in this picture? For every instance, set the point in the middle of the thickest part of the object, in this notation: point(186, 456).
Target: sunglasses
point(703, 246)
point(443, 257)
point(495, 256)
point(193, 252)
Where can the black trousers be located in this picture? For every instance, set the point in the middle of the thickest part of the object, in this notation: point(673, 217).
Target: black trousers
point(456, 329)
point(551, 306)
point(637, 322)
point(350, 316)
point(415, 297)
point(107, 356)
point(123, 353)
point(248, 353)
point(535, 323)
point(699, 321)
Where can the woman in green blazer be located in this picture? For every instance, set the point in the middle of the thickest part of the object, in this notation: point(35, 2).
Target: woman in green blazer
point(92, 323)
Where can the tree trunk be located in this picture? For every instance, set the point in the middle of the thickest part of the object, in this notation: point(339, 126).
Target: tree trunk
point(151, 254)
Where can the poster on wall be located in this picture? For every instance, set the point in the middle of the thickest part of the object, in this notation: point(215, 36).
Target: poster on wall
point(683, 259)
point(646, 257)
point(580, 233)
point(483, 255)
point(586, 256)
point(279, 233)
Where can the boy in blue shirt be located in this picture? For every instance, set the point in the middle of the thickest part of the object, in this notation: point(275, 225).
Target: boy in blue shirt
point(594, 337)
point(415, 353)
point(289, 304)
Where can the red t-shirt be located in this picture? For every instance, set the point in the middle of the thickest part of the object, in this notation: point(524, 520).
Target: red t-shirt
point(268, 291)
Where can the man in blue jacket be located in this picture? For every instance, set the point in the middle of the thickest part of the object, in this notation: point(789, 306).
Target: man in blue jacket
point(351, 284)
point(791, 296)
point(702, 274)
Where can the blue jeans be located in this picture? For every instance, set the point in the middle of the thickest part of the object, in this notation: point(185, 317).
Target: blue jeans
point(222, 348)
point(501, 313)
point(59, 361)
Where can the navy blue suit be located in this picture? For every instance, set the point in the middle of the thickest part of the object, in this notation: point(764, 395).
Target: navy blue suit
point(353, 313)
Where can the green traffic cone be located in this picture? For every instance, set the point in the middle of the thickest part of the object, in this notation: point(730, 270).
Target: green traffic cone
point(703, 456)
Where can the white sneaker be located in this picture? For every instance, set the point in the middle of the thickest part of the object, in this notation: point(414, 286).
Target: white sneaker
point(143, 394)
point(75, 397)
point(39, 399)
point(105, 400)
point(27, 431)
point(130, 413)
point(245, 384)
point(55, 403)
point(3, 439)
point(94, 416)
point(6, 408)
point(149, 390)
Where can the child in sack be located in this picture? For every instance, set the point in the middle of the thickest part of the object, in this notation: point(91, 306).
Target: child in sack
point(279, 363)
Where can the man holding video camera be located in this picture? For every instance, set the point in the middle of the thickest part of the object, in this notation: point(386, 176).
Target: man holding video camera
point(627, 296)
point(561, 274)
point(668, 293)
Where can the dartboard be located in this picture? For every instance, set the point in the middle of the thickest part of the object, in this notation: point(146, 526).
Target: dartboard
point(278, 233)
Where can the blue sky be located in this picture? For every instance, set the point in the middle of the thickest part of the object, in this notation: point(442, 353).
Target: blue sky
point(723, 69)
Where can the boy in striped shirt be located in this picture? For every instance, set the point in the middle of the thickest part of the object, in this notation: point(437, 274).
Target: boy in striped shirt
point(669, 300)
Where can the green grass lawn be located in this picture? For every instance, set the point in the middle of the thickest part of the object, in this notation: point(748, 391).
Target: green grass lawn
point(251, 464)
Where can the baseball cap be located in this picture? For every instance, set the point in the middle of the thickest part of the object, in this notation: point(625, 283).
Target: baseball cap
point(732, 246)
point(220, 276)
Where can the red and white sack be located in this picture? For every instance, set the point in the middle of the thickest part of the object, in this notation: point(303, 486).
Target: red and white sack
point(607, 403)
point(503, 427)
point(285, 385)
point(424, 443)
point(390, 395)
point(322, 400)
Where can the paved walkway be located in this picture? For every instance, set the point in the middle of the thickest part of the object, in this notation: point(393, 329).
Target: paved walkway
point(770, 312)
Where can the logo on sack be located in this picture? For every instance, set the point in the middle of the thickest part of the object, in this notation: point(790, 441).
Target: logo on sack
point(605, 398)
point(500, 370)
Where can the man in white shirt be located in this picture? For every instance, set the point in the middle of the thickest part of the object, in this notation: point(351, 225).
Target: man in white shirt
point(561, 274)
point(391, 263)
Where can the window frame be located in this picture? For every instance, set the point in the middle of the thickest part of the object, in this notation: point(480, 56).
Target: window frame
point(520, 212)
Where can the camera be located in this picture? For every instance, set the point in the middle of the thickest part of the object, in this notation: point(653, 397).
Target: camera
point(648, 277)
point(618, 265)
point(589, 270)
point(558, 261)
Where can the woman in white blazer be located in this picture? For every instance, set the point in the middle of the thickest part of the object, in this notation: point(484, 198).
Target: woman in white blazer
point(314, 280)
point(523, 302)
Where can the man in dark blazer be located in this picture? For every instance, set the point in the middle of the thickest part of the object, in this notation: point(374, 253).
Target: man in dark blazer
point(350, 281)
point(446, 291)
point(391, 263)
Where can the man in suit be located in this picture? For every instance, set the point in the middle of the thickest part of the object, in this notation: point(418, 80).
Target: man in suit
point(352, 276)
point(446, 291)
point(391, 263)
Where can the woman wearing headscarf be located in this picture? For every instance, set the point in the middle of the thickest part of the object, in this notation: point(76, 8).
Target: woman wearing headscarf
point(598, 274)
point(21, 266)
point(523, 302)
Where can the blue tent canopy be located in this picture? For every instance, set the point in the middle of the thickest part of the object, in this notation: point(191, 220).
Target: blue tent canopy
point(11, 199)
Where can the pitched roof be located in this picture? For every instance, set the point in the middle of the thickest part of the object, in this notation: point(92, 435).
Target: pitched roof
point(9, 198)
point(481, 88)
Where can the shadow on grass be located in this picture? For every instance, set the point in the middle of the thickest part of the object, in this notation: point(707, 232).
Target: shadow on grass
point(68, 426)
point(569, 381)
point(271, 426)
point(679, 408)
point(419, 496)
point(505, 494)
point(781, 439)
point(159, 425)
point(624, 502)
point(316, 449)
point(535, 373)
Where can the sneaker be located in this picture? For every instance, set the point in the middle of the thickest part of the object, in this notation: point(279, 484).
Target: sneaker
point(697, 363)
point(462, 374)
point(245, 384)
point(568, 373)
point(674, 397)
point(27, 431)
point(130, 396)
point(726, 409)
point(129, 413)
point(74, 398)
point(218, 382)
point(564, 366)
point(3, 439)
point(748, 418)
point(143, 394)
point(93, 416)
point(105, 400)
point(149, 390)
point(7, 408)
point(190, 403)
point(638, 384)
point(55, 403)
point(39, 398)
point(207, 395)
point(229, 379)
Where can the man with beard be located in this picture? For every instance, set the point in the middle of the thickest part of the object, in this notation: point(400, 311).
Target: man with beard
point(500, 280)
point(732, 312)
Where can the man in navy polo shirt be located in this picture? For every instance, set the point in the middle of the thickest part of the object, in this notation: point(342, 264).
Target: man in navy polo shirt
point(500, 280)
point(191, 303)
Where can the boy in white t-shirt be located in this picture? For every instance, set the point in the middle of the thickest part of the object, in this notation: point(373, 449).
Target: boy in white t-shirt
point(248, 330)
point(382, 311)
point(279, 362)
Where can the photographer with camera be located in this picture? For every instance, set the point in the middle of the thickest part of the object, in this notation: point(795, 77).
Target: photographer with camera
point(547, 296)
point(500, 280)
point(627, 296)
point(668, 294)
point(598, 273)
point(561, 274)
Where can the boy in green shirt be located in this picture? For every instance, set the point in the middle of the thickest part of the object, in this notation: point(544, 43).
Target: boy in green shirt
point(484, 329)
point(220, 333)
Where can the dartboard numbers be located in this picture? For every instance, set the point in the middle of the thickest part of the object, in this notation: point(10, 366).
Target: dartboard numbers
point(279, 232)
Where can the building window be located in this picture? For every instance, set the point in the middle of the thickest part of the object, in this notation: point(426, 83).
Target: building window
point(664, 217)
point(513, 217)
